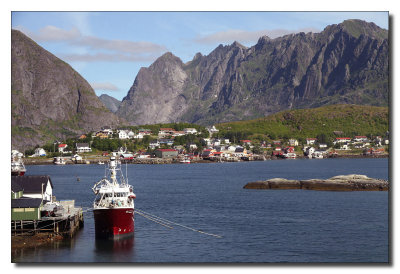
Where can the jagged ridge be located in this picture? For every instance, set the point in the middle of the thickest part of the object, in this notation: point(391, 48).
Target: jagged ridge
point(345, 63)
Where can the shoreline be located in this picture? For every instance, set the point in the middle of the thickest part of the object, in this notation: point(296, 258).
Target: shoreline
point(49, 161)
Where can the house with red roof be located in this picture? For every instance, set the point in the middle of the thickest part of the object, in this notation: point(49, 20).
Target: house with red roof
point(360, 139)
point(342, 140)
point(246, 142)
point(166, 131)
point(62, 147)
point(311, 141)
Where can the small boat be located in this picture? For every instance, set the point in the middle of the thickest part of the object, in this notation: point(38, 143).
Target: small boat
point(17, 165)
point(58, 161)
point(113, 207)
point(290, 155)
point(317, 156)
point(185, 161)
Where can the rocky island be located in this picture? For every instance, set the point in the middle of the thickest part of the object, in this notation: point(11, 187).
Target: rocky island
point(352, 182)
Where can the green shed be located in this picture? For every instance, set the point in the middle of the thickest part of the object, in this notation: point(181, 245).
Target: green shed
point(23, 209)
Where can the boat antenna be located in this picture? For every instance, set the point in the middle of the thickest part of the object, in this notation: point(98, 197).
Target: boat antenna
point(126, 171)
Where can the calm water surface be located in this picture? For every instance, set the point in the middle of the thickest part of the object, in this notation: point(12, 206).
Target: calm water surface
point(255, 225)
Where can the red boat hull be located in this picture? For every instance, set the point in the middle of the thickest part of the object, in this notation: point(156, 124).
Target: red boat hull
point(114, 222)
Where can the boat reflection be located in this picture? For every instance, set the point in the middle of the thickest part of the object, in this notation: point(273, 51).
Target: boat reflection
point(118, 249)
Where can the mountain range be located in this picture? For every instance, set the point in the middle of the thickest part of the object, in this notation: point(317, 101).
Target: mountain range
point(345, 63)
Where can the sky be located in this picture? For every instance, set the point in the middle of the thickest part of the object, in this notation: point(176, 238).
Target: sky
point(109, 48)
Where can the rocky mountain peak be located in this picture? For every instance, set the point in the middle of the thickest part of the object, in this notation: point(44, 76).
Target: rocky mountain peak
point(356, 28)
point(49, 99)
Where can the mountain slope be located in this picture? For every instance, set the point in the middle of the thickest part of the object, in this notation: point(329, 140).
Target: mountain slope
point(49, 99)
point(352, 120)
point(110, 102)
point(345, 63)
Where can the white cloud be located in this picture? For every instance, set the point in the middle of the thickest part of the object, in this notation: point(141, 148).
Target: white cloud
point(119, 45)
point(104, 86)
point(108, 57)
point(100, 49)
point(51, 33)
point(243, 36)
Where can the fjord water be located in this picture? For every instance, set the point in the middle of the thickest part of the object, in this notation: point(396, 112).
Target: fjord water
point(255, 225)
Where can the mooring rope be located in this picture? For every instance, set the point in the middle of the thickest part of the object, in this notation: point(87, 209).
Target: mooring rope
point(154, 220)
point(141, 212)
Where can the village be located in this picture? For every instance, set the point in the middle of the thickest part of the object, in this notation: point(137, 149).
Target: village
point(168, 145)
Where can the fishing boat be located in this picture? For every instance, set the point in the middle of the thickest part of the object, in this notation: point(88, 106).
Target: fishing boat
point(113, 207)
point(17, 165)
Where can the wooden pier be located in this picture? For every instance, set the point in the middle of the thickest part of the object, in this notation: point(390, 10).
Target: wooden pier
point(65, 223)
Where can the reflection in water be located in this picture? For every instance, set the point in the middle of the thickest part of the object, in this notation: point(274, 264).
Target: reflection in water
point(42, 251)
point(117, 249)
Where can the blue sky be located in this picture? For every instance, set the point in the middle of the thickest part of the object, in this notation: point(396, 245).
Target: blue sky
point(108, 48)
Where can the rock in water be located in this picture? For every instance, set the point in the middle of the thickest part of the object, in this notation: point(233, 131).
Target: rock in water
point(352, 182)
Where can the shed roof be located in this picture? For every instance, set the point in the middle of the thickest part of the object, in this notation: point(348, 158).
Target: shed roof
point(26, 202)
point(15, 187)
point(31, 184)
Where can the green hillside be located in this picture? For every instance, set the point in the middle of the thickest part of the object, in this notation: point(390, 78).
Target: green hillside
point(351, 120)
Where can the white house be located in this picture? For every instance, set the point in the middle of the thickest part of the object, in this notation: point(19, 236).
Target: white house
point(216, 142)
point(232, 148)
point(62, 147)
point(76, 157)
point(165, 131)
point(138, 136)
point(83, 147)
point(344, 147)
point(107, 130)
point(144, 131)
point(311, 141)
point(212, 130)
point(178, 133)
point(293, 142)
point(123, 134)
point(39, 152)
point(192, 146)
point(154, 144)
point(360, 139)
point(323, 145)
point(130, 134)
point(35, 186)
point(190, 130)
point(342, 140)
point(207, 140)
